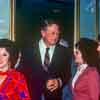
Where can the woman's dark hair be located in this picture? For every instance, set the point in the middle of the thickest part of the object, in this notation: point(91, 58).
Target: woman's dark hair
point(88, 48)
point(11, 49)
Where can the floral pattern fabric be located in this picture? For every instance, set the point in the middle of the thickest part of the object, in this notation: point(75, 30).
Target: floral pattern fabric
point(14, 87)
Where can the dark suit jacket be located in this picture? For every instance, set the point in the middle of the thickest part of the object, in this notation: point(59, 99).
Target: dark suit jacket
point(37, 76)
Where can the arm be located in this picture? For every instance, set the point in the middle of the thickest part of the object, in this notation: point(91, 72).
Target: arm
point(22, 88)
point(93, 84)
point(63, 72)
point(66, 70)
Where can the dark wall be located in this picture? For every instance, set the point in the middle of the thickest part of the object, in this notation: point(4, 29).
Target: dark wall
point(29, 14)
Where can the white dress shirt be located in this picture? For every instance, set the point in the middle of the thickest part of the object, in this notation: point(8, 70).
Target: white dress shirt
point(80, 70)
point(42, 48)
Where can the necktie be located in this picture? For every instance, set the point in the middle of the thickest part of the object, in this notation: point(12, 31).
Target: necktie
point(47, 59)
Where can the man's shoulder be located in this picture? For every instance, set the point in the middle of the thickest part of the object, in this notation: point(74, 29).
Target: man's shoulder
point(62, 49)
point(35, 43)
point(63, 43)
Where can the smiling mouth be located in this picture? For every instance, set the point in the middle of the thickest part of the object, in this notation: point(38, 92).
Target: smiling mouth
point(1, 62)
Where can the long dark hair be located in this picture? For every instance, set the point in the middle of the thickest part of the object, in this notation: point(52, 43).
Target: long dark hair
point(88, 48)
point(11, 49)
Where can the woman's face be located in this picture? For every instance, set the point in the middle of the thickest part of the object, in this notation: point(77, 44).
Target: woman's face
point(4, 59)
point(78, 57)
point(98, 48)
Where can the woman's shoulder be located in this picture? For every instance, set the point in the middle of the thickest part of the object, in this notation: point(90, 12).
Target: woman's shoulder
point(92, 71)
point(16, 75)
point(89, 68)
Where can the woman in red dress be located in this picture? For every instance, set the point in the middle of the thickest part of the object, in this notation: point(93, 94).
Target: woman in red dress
point(12, 83)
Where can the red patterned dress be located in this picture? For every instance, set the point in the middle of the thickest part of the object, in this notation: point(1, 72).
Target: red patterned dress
point(14, 87)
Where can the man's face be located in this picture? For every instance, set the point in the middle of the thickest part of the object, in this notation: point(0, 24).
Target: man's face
point(51, 34)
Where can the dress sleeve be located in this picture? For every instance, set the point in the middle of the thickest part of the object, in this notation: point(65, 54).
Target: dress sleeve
point(93, 84)
point(22, 88)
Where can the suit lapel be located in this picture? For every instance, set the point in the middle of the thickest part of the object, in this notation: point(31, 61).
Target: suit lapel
point(37, 53)
point(79, 78)
point(54, 57)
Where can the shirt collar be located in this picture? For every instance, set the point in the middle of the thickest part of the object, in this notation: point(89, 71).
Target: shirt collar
point(41, 42)
point(82, 67)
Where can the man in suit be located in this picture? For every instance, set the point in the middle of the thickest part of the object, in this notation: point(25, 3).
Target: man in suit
point(47, 64)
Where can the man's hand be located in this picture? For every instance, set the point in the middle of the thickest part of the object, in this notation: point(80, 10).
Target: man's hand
point(52, 84)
